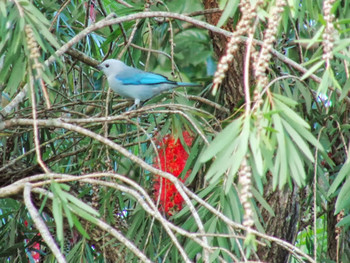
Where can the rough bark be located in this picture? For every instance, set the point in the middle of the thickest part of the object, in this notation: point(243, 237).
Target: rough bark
point(331, 233)
point(285, 204)
point(232, 85)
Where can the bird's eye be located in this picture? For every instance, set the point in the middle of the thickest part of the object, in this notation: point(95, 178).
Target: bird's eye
point(107, 65)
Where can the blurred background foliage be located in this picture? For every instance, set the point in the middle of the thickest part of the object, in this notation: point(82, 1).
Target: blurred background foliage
point(294, 144)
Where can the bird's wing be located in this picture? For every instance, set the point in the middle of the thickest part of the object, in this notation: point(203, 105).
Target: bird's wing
point(142, 78)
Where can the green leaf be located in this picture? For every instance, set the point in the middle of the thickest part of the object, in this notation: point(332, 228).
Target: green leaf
point(280, 167)
point(262, 201)
point(10, 250)
point(312, 69)
point(3, 9)
point(254, 145)
point(345, 90)
point(316, 37)
point(233, 205)
point(298, 140)
point(323, 87)
point(68, 214)
point(295, 163)
point(17, 74)
point(343, 200)
point(41, 24)
point(56, 189)
point(292, 115)
point(344, 222)
point(82, 213)
point(344, 171)
point(222, 140)
point(239, 152)
point(81, 204)
point(79, 227)
point(306, 94)
point(334, 80)
point(285, 100)
point(341, 44)
point(58, 216)
point(229, 10)
point(221, 164)
point(214, 255)
point(76, 253)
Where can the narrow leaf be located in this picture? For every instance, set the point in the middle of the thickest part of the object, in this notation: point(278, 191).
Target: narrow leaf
point(224, 138)
point(229, 11)
point(343, 200)
point(344, 171)
point(303, 147)
point(312, 69)
point(81, 204)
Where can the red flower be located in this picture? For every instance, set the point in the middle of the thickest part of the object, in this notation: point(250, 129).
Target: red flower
point(36, 255)
point(36, 245)
point(173, 159)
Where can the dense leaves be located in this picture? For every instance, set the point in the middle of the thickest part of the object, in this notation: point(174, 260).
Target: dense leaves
point(189, 176)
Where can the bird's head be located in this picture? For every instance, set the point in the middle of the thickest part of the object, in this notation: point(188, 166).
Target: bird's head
point(111, 67)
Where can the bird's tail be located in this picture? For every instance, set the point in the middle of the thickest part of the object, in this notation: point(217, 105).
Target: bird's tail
point(186, 84)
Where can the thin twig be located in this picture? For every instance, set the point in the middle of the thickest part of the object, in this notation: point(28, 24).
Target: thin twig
point(209, 102)
point(292, 249)
point(63, 6)
point(58, 123)
point(108, 21)
point(152, 210)
point(315, 196)
point(205, 12)
point(18, 186)
point(128, 41)
point(124, 3)
point(40, 224)
point(104, 226)
point(35, 126)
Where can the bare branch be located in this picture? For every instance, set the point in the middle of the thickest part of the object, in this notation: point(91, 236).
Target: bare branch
point(40, 224)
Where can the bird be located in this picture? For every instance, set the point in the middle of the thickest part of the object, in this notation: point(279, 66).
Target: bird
point(137, 84)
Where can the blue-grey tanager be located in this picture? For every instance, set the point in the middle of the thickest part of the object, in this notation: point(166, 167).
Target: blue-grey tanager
point(134, 83)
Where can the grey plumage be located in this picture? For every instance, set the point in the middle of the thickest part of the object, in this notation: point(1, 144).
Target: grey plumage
point(134, 83)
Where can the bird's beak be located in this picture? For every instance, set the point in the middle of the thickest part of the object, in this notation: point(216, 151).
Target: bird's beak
point(99, 66)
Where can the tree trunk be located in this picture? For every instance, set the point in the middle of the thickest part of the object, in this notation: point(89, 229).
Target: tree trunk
point(331, 233)
point(284, 203)
point(232, 85)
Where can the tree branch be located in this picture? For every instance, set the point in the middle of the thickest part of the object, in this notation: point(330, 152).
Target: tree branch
point(58, 123)
point(40, 224)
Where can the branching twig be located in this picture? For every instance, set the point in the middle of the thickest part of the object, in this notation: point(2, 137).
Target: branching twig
point(58, 123)
point(108, 21)
point(146, 203)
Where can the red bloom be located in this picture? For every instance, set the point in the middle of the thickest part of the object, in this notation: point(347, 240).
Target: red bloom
point(36, 255)
point(36, 245)
point(173, 159)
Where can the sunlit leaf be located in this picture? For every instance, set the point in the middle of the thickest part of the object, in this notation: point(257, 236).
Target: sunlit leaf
point(222, 140)
point(294, 135)
point(229, 9)
point(58, 215)
point(81, 204)
point(344, 171)
point(343, 200)
point(312, 69)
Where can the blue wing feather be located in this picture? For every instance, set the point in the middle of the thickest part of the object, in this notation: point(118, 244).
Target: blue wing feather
point(143, 78)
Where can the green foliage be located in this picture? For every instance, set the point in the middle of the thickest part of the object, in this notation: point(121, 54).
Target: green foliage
point(97, 198)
